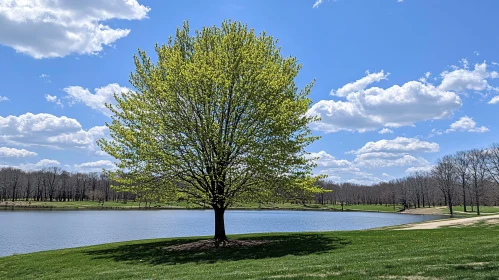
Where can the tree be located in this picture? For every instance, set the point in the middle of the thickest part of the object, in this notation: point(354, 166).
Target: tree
point(478, 174)
point(445, 175)
point(462, 162)
point(493, 162)
point(217, 119)
point(50, 179)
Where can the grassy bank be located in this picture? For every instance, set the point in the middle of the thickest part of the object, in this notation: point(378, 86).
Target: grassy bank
point(184, 205)
point(484, 210)
point(448, 253)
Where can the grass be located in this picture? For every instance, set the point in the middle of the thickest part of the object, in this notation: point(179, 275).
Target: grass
point(483, 210)
point(448, 253)
point(184, 205)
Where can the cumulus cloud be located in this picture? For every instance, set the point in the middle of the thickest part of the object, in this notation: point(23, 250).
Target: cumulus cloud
point(50, 98)
point(96, 100)
point(395, 152)
point(399, 145)
point(362, 107)
point(412, 170)
point(53, 99)
point(95, 166)
point(49, 131)
point(377, 160)
point(44, 163)
point(385, 131)
point(341, 169)
point(494, 100)
point(463, 80)
point(373, 108)
point(3, 98)
point(15, 153)
point(361, 83)
point(47, 28)
point(466, 124)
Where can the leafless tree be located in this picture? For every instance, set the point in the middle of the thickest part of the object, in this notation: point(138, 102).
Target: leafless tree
point(493, 162)
point(462, 162)
point(445, 175)
point(478, 174)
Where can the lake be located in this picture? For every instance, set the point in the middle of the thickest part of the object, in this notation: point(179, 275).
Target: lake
point(32, 231)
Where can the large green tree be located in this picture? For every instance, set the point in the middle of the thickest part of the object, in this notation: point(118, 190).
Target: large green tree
point(217, 119)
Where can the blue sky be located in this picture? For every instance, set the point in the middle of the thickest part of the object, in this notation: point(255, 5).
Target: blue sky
point(398, 84)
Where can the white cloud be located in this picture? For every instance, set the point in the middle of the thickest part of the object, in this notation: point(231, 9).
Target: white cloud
point(494, 100)
point(44, 76)
point(385, 131)
point(53, 99)
point(399, 145)
point(95, 166)
point(385, 175)
point(361, 83)
point(3, 98)
point(17, 153)
point(49, 131)
point(341, 169)
point(373, 108)
point(317, 3)
point(466, 124)
point(44, 163)
point(362, 108)
point(462, 80)
point(50, 98)
point(477, 53)
point(101, 153)
point(47, 28)
point(412, 170)
point(98, 99)
point(400, 1)
point(395, 152)
point(379, 160)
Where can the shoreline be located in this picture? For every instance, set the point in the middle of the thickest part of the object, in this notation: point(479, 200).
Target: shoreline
point(4, 208)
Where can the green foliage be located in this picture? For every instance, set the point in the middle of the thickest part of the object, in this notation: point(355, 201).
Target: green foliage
point(217, 119)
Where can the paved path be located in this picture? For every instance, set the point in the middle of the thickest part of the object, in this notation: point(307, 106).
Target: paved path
point(452, 222)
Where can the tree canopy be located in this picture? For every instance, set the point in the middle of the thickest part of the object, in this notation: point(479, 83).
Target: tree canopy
point(216, 119)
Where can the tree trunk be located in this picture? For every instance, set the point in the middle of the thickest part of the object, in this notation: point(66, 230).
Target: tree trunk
point(464, 196)
point(477, 204)
point(219, 225)
point(450, 207)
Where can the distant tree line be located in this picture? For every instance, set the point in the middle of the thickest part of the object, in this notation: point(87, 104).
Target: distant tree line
point(469, 178)
point(54, 184)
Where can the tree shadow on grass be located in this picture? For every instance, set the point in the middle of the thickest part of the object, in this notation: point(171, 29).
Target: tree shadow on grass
point(160, 252)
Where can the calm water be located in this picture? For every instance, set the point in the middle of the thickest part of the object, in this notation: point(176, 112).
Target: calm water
point(31, 231)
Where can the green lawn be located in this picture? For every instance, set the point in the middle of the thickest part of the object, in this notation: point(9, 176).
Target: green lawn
point(135, 205)
point(483, 209)
point(448, 253)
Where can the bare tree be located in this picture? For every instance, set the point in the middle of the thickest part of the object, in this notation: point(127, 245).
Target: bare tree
point(445, 175)
point(461, 163)
point(50, 180)
point(493, 162)
point(478, 174)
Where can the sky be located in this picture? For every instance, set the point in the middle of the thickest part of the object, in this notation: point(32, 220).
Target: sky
point(398, 83)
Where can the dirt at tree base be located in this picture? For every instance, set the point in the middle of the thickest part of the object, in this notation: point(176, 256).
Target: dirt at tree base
point(212, 244)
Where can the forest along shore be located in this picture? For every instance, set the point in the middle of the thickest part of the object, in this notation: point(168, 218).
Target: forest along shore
point(133, 205)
